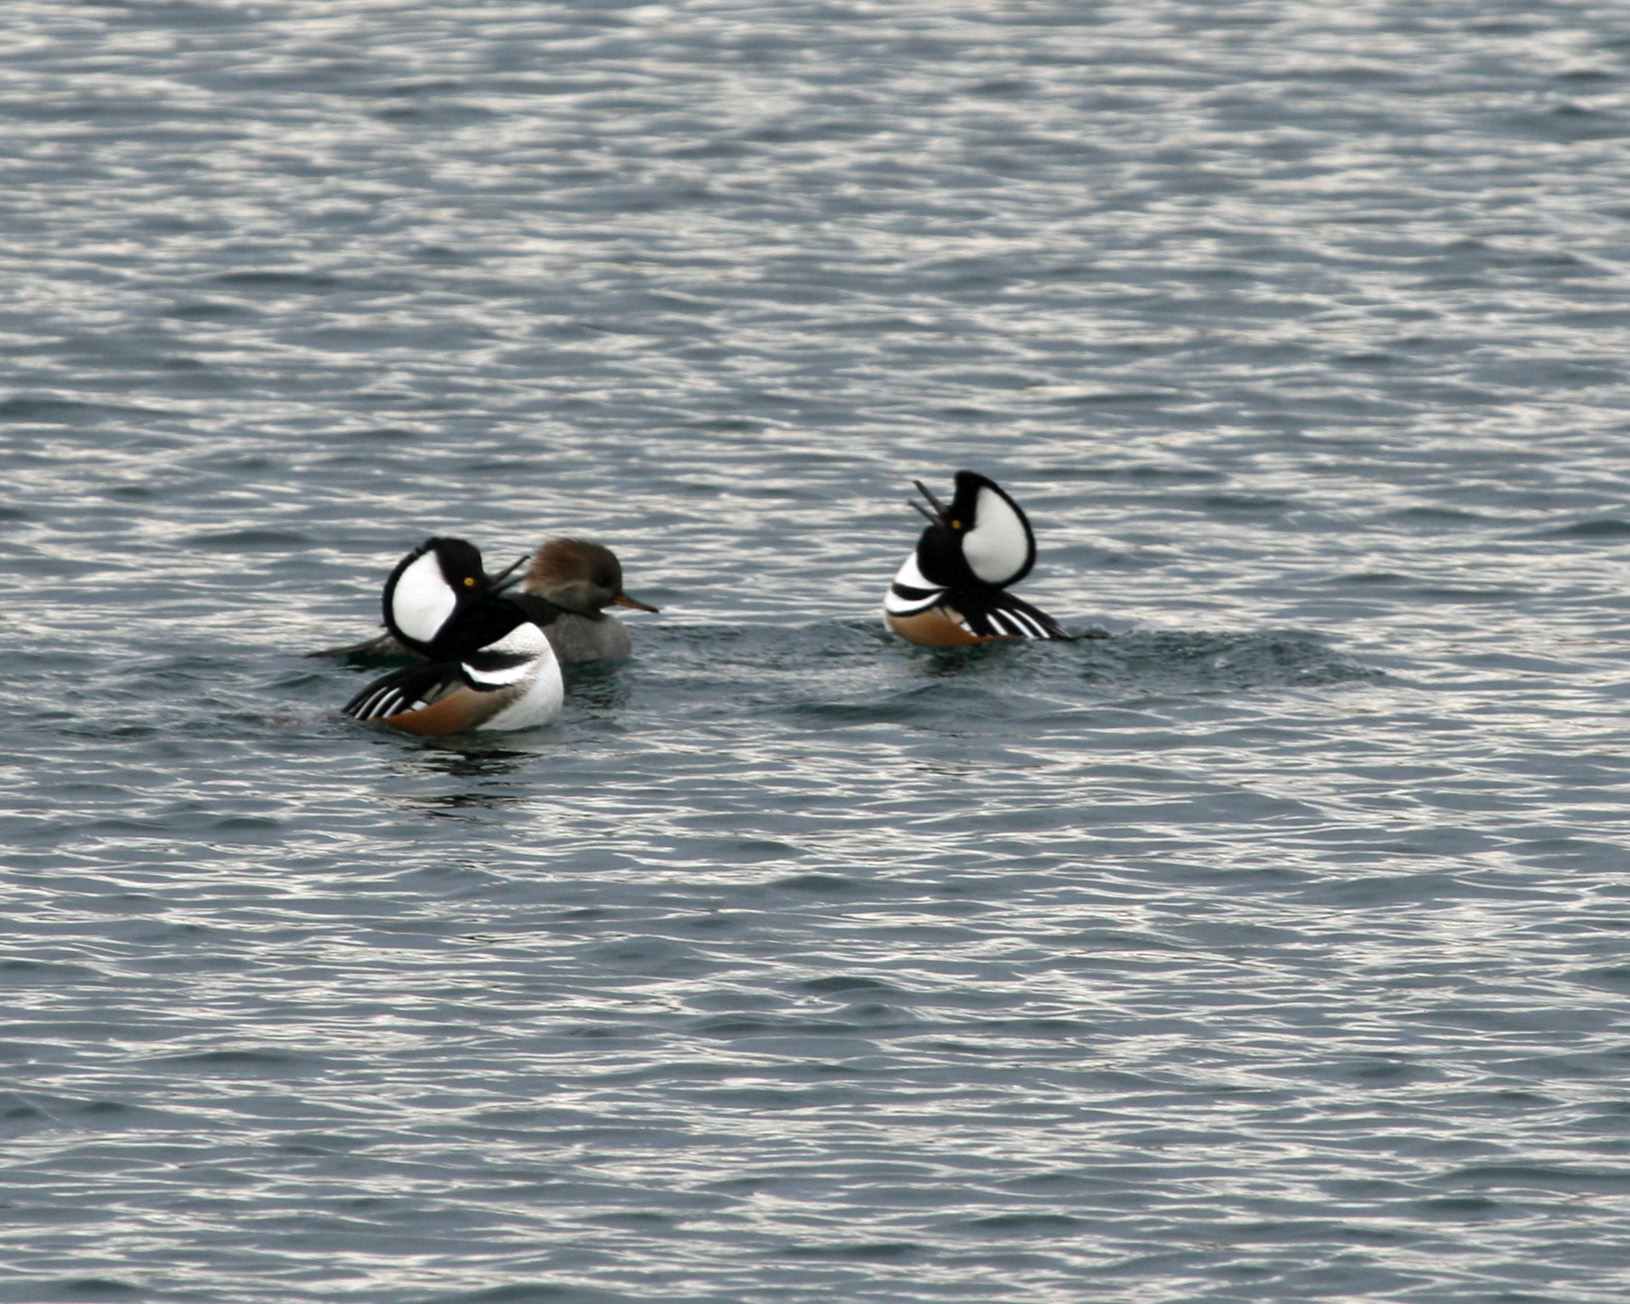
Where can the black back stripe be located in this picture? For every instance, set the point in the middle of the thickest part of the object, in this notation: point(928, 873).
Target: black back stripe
point(493, 661)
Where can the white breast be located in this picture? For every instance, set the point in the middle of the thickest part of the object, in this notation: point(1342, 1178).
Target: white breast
point(910, 575)
point(525, 640)
point(536, 684)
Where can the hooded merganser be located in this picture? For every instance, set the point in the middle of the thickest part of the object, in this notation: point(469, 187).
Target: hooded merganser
point(486, 665)
point(581, 580)
point(952, 590)
point(576, 581)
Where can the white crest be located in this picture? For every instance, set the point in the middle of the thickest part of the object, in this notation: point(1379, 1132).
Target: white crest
point(422, 600)
point(999, 546)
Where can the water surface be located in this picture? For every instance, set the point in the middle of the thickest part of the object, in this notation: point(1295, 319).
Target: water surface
point(1270, 948)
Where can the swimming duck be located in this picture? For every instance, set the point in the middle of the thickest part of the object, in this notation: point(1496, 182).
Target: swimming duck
point(566, 590)
point(581, 580)
point(486, 664)
point(952, 589)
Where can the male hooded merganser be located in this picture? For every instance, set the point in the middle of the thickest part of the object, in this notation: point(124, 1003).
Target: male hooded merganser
point(952, 590)
point(487, 664)
point(576, 581)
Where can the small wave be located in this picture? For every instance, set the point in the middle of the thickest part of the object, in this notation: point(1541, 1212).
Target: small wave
point(818, 884)
point(527, 1292)
point(314, 282)
point(1608, 527)
point(860, 1252)
point(845, 983)
point(1197, 662)
point(846, 674)
point(81, 1288)
point(1437, 516)
point(231, 1058)
point(1543, 1177)
point(249, 540)
point(1021, 1224)
point(68, 411)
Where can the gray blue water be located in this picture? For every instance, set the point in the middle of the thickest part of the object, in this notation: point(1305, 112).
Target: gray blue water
point(1271, 948)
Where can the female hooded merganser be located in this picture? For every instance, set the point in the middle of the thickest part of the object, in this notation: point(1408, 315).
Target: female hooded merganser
point(487, 664)
point(566, 590)
point(952, 590)
point(581, 580)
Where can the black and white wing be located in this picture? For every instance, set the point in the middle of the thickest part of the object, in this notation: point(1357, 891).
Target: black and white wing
point(998, 614)
point(407, 689)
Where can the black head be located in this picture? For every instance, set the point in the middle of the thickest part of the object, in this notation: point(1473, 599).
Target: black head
point(439, 601)
point(982, 539)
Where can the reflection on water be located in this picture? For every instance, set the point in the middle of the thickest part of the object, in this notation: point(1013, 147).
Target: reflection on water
point(487, 770)
point(599, 688)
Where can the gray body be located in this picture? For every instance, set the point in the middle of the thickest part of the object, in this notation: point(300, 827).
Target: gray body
point(575, 637)
point(579, 638)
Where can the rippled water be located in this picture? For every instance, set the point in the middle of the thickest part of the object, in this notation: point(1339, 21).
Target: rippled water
point(1272, 947)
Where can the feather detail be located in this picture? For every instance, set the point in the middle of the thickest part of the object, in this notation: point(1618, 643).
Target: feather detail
point(407, 689)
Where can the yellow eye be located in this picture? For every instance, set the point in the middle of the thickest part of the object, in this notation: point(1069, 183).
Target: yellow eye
point(956, 525)
point(469, 581)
